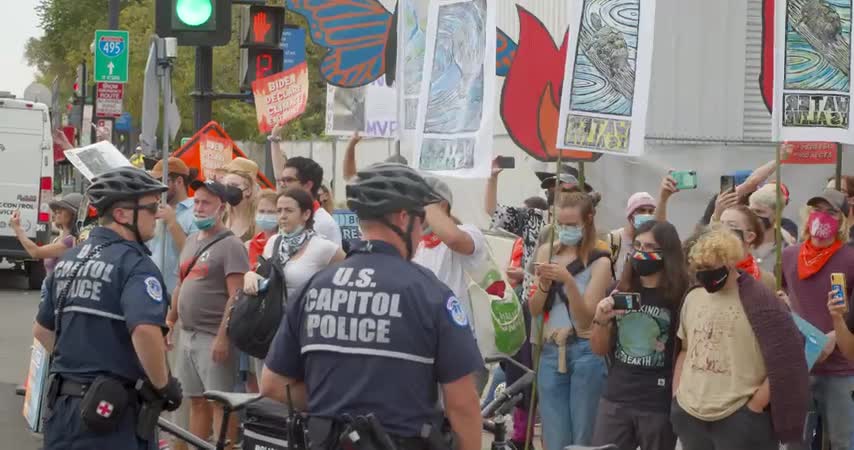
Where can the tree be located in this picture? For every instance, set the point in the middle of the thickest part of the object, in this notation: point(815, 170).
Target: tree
point(69, 26)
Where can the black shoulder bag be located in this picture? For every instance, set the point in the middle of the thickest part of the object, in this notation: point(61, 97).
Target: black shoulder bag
point(574, 269)
point(254, 319)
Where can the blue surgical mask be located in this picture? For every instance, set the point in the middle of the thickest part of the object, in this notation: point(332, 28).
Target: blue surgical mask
point(641, 219)
point(266, 222)
point(204, 223)
point(570, 235)
point(296, 232)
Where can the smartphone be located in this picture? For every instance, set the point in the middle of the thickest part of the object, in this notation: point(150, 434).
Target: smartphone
point(727, 183)
point(627, 301)
point(505, 162)
point(685, 179)
point(837, 286)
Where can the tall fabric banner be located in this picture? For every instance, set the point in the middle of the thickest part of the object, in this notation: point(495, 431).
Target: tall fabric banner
point(454, 129)
point(812, 67)
point(606, 82)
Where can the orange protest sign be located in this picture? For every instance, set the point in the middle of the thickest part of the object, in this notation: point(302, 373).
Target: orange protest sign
point(191, 151)
point(281, 98)
point(808, 152)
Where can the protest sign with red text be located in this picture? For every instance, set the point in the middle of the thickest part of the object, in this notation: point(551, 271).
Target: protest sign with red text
point(808, 152)
point(281, 98)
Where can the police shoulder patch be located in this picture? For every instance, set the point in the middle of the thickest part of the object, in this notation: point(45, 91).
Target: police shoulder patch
point(154, 289)
point(456, 311)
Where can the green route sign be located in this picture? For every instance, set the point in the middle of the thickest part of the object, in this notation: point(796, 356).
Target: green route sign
point(111, 56)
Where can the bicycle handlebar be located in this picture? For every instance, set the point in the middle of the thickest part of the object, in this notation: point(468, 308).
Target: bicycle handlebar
point(507, 359)
point(514, 389)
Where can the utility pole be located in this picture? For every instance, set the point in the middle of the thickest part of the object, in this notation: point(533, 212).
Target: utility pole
point(114, 8)
point(203, 95)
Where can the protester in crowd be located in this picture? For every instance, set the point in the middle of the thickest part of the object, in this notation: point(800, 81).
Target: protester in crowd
point(741, 378)
point(266, 223)
point(177, 213)
point(326, 199)
point(349, 166)
point(635, 406)
point(763, 203)
point(847, 188)
point(569, 285)
point(639, 209)
point(307, 175)
point(807, 268)
point(64, 215)
point(213, 263)
point(452, 250)
point(297, 249)
point(240, 218)
point(720, 202)
point(748, 227)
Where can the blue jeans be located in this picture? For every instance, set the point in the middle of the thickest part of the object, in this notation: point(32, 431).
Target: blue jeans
point(568, 401)
point(831, 400)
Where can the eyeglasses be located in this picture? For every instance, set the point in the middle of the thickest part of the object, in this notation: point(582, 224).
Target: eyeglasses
point(150, 207)
point(287, 180)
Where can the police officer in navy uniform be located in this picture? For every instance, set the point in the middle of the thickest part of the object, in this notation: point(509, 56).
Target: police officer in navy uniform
point(103, 316)
point(377, 333)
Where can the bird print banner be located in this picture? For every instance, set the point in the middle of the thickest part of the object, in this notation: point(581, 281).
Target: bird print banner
point(607, 74)
point(456, 107)
point(812, 67)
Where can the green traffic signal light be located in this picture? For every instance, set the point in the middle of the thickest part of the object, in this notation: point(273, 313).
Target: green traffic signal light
point(194, 12)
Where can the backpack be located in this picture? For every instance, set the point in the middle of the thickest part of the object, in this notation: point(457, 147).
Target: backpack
point(254, 319)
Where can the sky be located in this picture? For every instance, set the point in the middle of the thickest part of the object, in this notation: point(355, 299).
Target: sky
point(16, 75)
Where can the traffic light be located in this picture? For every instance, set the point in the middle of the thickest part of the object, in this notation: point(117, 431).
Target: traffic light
point(260, 43)
point(79, 86)
point(194, 22)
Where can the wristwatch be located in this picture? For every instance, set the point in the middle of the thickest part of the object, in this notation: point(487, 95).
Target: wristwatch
point(273, 138)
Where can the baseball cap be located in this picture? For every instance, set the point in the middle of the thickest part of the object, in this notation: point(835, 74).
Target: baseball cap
point(565, 178)
point(638, 200)
point(440, 188)
point(176, 166)
point(228, 194)
point(835, 198)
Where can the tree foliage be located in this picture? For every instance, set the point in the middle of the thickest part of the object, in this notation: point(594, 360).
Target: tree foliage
point(69, 27)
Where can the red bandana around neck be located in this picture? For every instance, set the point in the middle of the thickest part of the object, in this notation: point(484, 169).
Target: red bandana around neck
point(811, 259)
point(431, 240)
point(316, 205)
point(750, 266)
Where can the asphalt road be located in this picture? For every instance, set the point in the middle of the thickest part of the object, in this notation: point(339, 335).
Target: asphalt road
point(17, 312)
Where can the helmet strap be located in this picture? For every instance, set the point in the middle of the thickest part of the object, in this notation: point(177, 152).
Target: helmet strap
point(406, 236)
point(134, 227)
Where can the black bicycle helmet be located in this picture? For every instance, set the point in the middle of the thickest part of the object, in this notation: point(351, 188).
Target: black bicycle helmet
point(385, 188)
point(123, 183)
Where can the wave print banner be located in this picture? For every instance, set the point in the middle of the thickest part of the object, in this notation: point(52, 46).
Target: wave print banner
point(606, 82)
point(812, 67)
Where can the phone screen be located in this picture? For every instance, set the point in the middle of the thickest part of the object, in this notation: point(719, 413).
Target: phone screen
point(626, 301)
point(727, 183)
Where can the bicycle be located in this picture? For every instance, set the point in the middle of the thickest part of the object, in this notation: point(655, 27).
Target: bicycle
point(495, 414)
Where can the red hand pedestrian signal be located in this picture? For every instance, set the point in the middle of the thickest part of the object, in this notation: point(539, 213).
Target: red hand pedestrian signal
point(260, 26)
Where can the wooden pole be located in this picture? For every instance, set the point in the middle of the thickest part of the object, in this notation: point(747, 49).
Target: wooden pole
point(529, 429)
point(839, 168)
point(778, 219)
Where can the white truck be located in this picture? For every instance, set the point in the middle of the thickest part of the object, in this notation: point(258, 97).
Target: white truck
point(26, 181)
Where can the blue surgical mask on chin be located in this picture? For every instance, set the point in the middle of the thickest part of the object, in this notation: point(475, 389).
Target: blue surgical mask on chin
point(570, 235)
point(293, 233)
point(641, 219)
point(266, 222)
point(204, 223)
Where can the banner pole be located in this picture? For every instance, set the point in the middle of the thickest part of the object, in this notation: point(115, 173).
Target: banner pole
point(537, 351)
point(778, 219)
point(839, 167)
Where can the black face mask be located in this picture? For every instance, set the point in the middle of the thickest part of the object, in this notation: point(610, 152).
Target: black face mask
point(766, 222)
point(713, 280)
point(647, 263)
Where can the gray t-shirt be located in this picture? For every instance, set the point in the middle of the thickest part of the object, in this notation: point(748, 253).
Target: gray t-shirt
point(204, 294)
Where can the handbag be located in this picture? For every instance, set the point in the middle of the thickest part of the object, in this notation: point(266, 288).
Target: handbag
point(254, 319)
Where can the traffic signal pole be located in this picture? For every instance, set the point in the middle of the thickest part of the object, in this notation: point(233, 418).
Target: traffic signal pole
point(114, 8)
point(203, 95)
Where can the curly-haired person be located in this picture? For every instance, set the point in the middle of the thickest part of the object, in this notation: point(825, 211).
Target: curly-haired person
point(741, 376)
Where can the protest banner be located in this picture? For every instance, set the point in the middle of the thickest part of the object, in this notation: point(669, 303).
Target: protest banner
point(214, 153)
point(809, 153)
point(281, 98)
point(348, 223)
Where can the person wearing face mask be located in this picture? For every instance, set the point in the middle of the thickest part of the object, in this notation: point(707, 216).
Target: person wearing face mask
point(807, 268)
point(749, 228)
point(240, 218)
point(639, 209)
point(211, 270)
point(296, 249)
point(763, 203)
point(376, 333)
point(741, 380)
point(635, 406)
point(569, 285)
point(266, 223)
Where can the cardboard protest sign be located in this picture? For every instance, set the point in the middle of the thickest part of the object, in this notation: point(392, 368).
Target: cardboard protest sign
point(214, 153)
point(282, 97)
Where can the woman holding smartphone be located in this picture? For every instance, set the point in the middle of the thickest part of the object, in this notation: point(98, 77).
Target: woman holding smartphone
point(567, 288)
point(640, 342)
